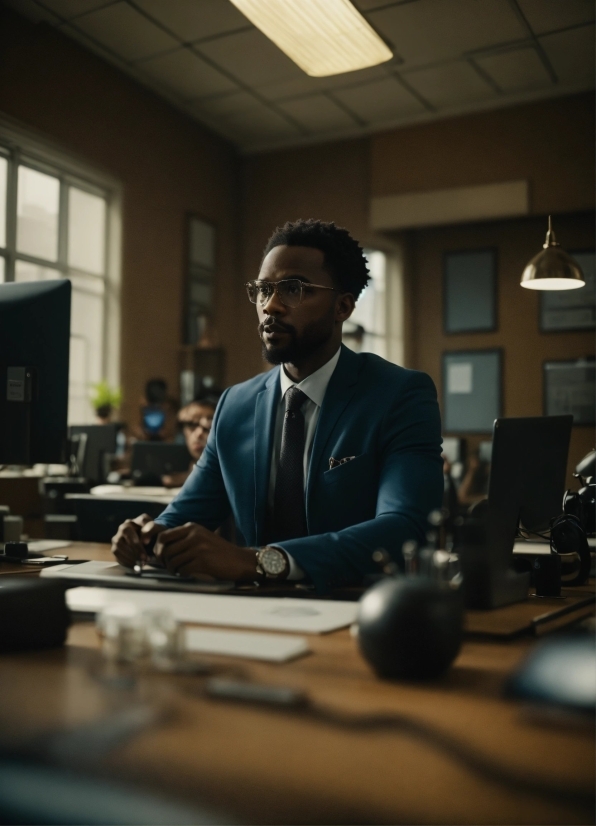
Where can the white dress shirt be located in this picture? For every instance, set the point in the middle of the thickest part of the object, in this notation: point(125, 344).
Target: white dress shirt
point(314, 387)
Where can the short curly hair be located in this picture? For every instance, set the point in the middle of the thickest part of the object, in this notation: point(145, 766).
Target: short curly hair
point(344, 257)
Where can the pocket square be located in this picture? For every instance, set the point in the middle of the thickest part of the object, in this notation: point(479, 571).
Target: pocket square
point(337, 462)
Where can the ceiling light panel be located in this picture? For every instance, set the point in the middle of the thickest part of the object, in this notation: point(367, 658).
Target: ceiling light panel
point(323, 37)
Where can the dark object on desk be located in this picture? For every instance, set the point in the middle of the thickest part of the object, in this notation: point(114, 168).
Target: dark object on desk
point(16, 550)
point(410, 627)
point(99, 517)
point(152, 460)
point(547, 575)
point(53, 489)
point(60, 526)
point(567, 536)
point(33, 613)
point(561, 673)
point(582, 503)
point(34, 354)
point(527, 480)
point(100, 445)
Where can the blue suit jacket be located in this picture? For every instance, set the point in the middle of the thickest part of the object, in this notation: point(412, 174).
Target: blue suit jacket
point(385, 416)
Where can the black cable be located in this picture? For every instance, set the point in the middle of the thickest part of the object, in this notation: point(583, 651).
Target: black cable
point(296, 703)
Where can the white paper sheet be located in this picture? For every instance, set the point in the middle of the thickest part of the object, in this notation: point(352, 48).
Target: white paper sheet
point(307, 616)
point(275, 648)
point(523, 547)
point(459, 378)
point(40, 546)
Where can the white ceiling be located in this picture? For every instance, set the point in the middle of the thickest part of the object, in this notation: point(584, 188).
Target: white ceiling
point(450, 57)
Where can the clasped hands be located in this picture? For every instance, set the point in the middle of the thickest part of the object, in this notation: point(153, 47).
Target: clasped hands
point(190, 550)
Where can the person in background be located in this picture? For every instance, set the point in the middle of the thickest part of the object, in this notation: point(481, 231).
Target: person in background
point(194, 421)
point(158, 413)
point(474, 485)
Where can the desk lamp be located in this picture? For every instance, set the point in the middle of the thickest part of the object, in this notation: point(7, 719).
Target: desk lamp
point(553, 268)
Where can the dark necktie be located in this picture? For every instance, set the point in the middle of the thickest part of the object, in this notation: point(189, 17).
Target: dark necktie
point(289, 511)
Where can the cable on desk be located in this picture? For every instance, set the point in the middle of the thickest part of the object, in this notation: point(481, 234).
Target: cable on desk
point(298, 703)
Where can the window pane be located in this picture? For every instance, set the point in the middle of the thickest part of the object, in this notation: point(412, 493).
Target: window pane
point(89, 283)
point(3, 174)
point(202, 243)
point(370, 308)
point(86, 353)
point(86, 231)
point(37, 214)
point(24, 271)
point(2, 269)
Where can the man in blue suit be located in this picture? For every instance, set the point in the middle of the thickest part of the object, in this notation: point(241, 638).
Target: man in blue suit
point(321, 461)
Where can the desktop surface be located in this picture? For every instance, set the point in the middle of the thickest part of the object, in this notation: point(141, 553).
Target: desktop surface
point(267, 765)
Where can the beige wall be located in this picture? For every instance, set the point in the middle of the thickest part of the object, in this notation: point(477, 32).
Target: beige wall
point(167, 166)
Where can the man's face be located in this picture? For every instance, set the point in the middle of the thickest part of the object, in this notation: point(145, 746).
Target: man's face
point(196, 425)
point(291, 334)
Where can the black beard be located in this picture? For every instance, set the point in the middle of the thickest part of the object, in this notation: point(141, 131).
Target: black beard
point(300, 348)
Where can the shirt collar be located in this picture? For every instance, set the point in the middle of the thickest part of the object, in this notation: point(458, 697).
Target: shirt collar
point(315, 385)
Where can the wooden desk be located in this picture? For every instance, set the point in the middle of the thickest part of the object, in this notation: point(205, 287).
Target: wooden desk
point(267, 766)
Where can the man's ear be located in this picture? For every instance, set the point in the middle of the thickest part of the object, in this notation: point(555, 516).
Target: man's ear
point(344, 307)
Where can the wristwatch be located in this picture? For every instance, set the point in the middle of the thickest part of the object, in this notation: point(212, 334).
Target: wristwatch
point(272, 563)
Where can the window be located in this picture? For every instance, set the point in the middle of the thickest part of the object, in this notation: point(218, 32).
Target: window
point(376, 324)
point(199, 280)
point(54, 223)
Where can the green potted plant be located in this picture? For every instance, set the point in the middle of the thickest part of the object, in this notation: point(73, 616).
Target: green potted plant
point(105, 400)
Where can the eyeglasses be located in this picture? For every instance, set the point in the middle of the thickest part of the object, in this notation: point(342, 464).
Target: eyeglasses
point(290, 291)
point(204, 425)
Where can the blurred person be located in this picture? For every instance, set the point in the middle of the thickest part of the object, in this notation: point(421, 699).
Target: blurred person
point(157, 413)
point(195, 421)
point(474, 485)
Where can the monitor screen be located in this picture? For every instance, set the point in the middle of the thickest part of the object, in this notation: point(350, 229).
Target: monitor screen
point(34, 355)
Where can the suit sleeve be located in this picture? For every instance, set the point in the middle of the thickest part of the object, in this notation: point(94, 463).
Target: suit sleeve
point(410, 487)
point(203, 498)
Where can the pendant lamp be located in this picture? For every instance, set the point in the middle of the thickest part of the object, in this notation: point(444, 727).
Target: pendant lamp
point(553, 268)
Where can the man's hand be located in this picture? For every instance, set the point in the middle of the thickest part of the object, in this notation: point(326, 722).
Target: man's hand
point(132, 537)
point(192, 550)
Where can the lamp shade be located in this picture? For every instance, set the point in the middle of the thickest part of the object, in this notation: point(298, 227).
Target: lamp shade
point(553, 268)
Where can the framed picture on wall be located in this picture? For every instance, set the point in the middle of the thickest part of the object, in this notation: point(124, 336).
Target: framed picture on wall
point(470, 291)
point(570, 387)
point(472, 390)
point(563, 310)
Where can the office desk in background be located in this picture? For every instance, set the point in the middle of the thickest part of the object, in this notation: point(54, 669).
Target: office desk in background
point(270, 766)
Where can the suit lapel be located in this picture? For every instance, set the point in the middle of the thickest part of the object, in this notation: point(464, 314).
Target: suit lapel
point(340, 390)
point(265, 410)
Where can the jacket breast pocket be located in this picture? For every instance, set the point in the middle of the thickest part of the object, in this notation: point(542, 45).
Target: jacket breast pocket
point(354, 469)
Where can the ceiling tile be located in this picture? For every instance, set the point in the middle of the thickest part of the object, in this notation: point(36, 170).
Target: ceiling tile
point(224, 105)
point(186, 74)
point(305, 84)
point(514, 71)
point(192, 20)
point(318, 113)
point(547, 15)
point(572, 55)
point(432, 30)
point(126, 32)
point(451, 85)
point(379, 101)
point(32, 11)
point(255, 124)
point(73, 8)
point(252, 57)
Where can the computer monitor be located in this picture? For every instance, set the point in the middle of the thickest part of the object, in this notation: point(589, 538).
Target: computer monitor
point(100, 441)
point(34, 355)
point(152, 460)
point(526, 486)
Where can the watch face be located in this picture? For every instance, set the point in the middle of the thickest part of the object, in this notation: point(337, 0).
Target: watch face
point(273, 561)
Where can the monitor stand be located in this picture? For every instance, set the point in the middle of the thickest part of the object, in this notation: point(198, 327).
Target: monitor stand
point(488, 581)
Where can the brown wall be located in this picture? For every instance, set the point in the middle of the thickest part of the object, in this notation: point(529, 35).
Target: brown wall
point(167, 166)
point(524, 347)
point(549, 143)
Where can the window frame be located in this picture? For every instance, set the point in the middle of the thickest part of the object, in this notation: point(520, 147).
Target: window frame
point(21, 147)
